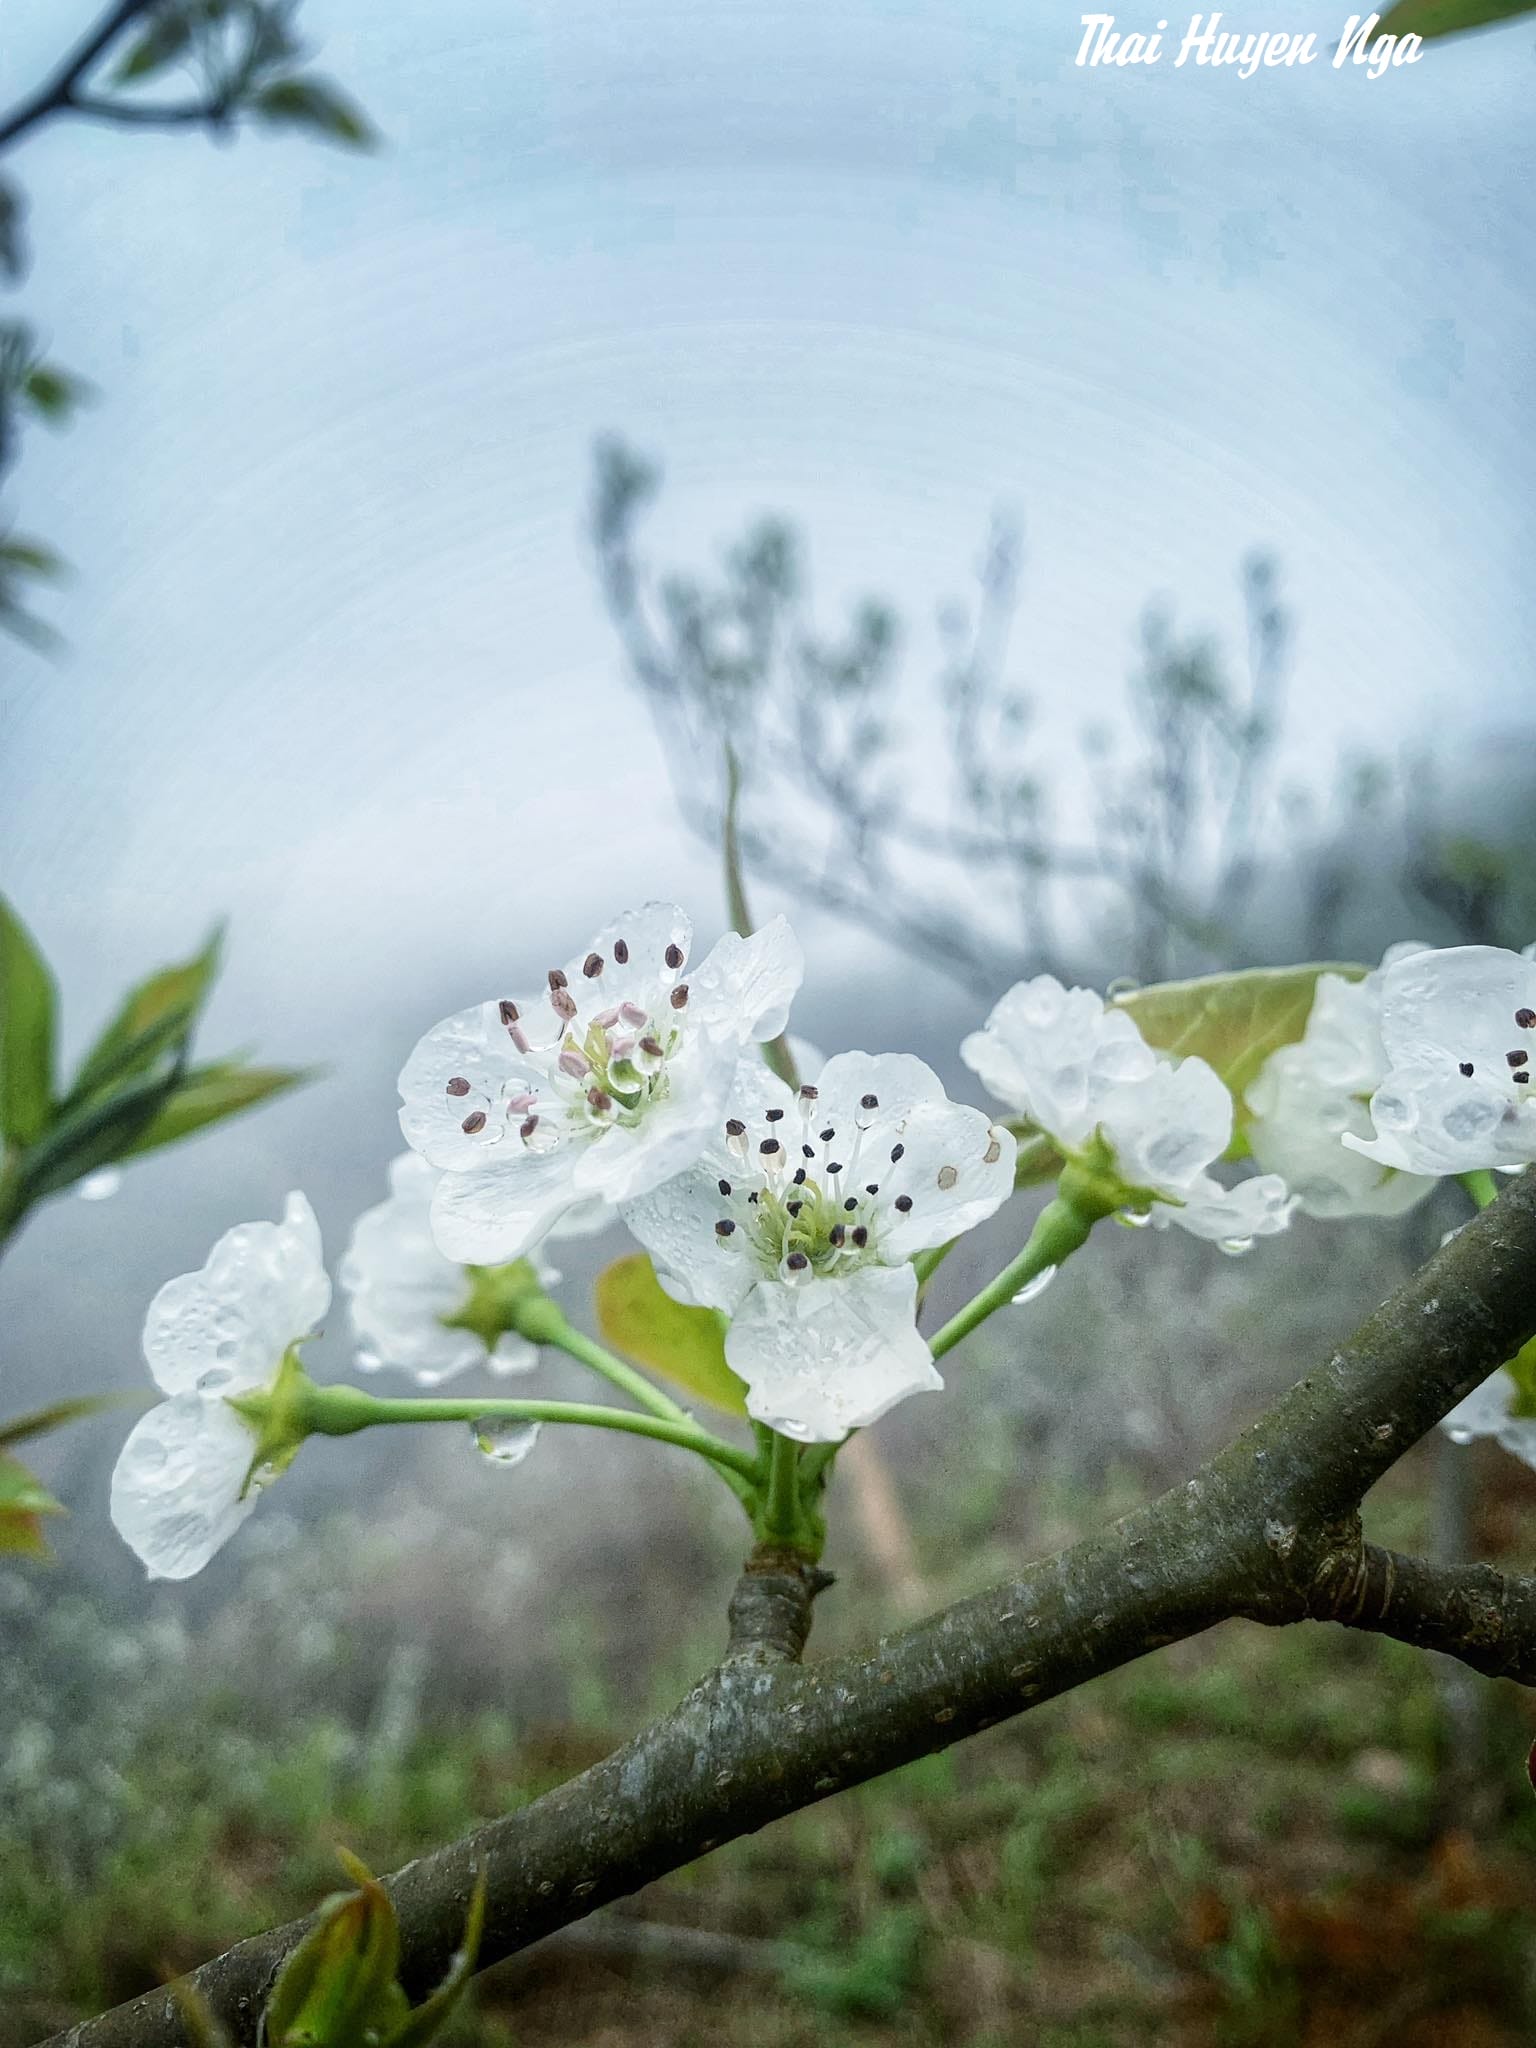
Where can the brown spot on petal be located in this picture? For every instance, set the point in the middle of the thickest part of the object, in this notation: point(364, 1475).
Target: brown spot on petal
point(948, 1175)
point(993, 1153)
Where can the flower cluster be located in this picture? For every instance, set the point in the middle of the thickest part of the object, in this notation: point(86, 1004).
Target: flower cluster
point(1081, 1072)
point(802, 1214)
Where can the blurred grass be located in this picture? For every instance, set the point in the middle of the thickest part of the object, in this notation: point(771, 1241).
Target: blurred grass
point(1251, 1841)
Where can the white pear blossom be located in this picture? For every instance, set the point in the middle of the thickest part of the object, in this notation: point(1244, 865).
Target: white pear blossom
point(185, 1479)
point(402, 1294)
point(1459, 1030)
point(606, 1084)
point(1487, 1412)
point(1081, 1070)
point(1307, 1096)
point(800, 1218)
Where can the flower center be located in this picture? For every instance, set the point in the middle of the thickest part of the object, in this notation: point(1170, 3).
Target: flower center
point(604, 1065)
point(810, 1190)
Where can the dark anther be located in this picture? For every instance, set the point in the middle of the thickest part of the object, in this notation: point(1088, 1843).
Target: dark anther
point(1521, 1077)
point(592, 966)
point(799, 1176)
point(1526, 1019)
point(797, 1262)
point(600, 1102)
point(557, 977)
point(873, 1188)
point(528, 1126)
point(869, 1102)
point(793, 1208)
point(773, 1115)
point(563, 1003)
point(734, 1127)
point(679, 996)
point(836, 1166)
point(807, 1151)
point(852, 1202)
point(1517, 1059)
point(896, 1152)
point(724, 1186)
point(474, 1122)
point(458, 1085)
point(769, 1145)
point(653, 1047)
point(808, 1093)
point(828, 1135)
point(674, 957)
point(508, 1011)
point(836, 1235)
point(861, 1237)
point(621, 951)
point(903, 1203)
point(724, 1227)
point(1467, 1068)
point(753, 1196)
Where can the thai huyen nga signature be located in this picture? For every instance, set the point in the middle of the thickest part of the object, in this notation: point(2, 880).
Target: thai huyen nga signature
point(1203, 40)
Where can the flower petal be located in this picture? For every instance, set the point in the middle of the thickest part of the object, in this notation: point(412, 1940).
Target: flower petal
point(502, 1209)
point(463, 1068)
point(1254, 1208)
point(1167, 1126)
point(745, 986)
point(1486, 1412)
point(262, 1287)
point(955, 1170)
point(645, 935)
point(177, 1485)
point(831, 1355)
point(1054, 1053)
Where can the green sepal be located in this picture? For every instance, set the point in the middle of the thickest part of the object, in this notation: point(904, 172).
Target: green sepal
point(498, 1301)
point(279, 1415)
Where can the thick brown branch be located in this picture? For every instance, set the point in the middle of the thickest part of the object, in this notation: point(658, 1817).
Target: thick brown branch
point(1268, 1529)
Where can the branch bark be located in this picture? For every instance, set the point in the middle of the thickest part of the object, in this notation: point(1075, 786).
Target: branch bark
point(1268, 1530)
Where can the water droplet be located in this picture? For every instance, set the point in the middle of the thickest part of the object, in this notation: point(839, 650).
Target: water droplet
point(1134, 1219)
point(100, 1186)
point(1122, 985)
point(215, 1377)
point(1033, 1288)
point(1460, 1434)
point(504, 1442)
point(1234, 1247)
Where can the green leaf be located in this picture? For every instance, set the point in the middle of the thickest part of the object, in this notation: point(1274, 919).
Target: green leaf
point(97, 1133)
point(1522, 1370)
point(207, 1095)
point(1431, 18)
point(33, 558)
point(337, 1989)
point(1232, 1021)
point(684, 1345)
point(154, 1018)
point(54, 393)
point(40, 1420)
point(29, 1004)
point(315, 104)
point(430, 2018)
point(23, 1503)
point(167, 36)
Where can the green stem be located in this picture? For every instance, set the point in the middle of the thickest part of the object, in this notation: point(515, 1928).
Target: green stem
point(553, 1329)
point(343, 1410)
point(1480, 1185)
point(1060, 1229)
point(782, 1519)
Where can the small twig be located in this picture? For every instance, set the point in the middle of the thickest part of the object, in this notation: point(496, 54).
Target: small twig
point(57, 95)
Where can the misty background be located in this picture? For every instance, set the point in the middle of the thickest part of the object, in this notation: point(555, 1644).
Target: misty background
point(337, 667)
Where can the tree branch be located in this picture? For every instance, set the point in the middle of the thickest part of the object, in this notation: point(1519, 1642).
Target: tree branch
point(1267, 1530)
point(57, 94)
